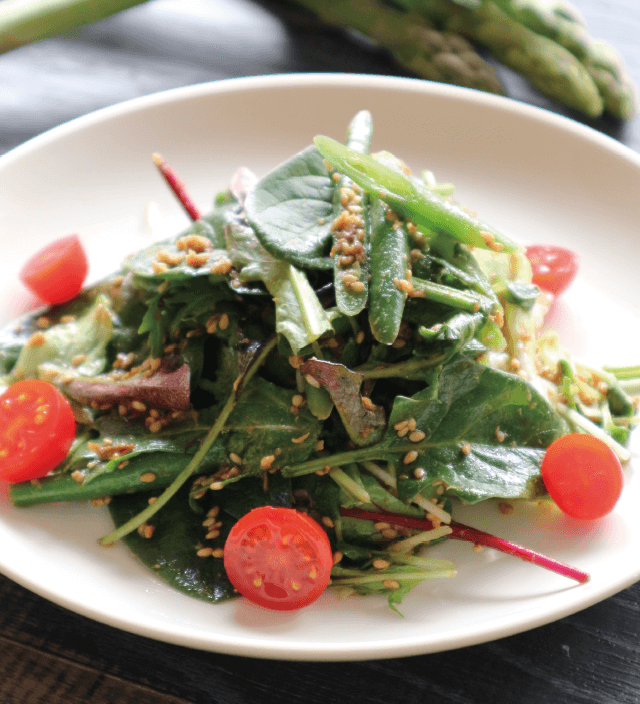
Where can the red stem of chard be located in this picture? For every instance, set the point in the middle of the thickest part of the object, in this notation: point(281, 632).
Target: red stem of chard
point(472, 535)
point(177, 186)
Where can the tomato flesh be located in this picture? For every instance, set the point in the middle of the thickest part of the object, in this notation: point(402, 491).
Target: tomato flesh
point(56, 273)
point(583, 476)
point(37, 429)
point(553, 267)
point(278, 558)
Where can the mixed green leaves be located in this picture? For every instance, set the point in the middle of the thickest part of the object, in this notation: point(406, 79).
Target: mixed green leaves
point(339, 333)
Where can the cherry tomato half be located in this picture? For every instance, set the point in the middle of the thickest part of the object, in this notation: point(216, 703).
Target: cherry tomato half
point(37, 428)
point(554, 268)
point(278, 558)
point(56, 273)
point(582, 475)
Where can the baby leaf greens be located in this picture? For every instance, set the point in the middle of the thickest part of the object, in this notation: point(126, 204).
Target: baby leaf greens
point(340, 337)
point(290, 210)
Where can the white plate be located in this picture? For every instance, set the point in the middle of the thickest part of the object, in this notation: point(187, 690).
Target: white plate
point(533, 174)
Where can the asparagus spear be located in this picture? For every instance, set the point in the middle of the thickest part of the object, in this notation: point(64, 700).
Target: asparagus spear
point(26, 21)
point(562, 24)
point(412, 40)
point(547, 65)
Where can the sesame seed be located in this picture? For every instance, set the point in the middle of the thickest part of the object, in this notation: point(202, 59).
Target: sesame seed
point(222, 266)
point(466, 448)
point(391, 584)
point(197, 243)
point(267, 461)
point(380, 564)
point(37, 340)
point(205, 552)
point(301, 439)
point(236, 459)
point(77, 476)
point(224, 321)
point(297, 400)
point(212, 534)
point(416, 436)
point(419, 473)
point(368, 403)
point(410, 457)
point(328, 521)
point(403, 285)
point(312, 381)
point(148, 477)
point(490, 241)
point(169, 258)
point(197, 259)
point(337, 557)
point(217, 552)
point(357, 286)
point(401, 424)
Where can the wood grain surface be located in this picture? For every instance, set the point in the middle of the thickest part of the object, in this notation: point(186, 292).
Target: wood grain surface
point(49, 655)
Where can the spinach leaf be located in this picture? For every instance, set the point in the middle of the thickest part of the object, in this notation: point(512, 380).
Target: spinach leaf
point(299, 315)
point(172, 551)
point(77, 347)
point(485, 434)
point(170, 260)
point(262, 425)
point(291, 210)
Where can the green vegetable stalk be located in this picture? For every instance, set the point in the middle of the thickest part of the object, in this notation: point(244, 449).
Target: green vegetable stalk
point(23, 22)
point(412, 40)
point(552, 49)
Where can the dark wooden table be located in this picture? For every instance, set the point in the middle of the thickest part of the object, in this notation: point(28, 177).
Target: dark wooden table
point(50, 655)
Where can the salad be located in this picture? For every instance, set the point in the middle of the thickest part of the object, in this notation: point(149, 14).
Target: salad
point(299, 390)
